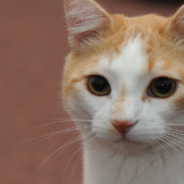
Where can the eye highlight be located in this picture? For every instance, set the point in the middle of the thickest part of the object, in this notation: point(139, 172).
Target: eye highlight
point(162, 87)
point(98, 85)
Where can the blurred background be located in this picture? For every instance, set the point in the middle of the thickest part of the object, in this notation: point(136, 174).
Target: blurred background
point(33, 46)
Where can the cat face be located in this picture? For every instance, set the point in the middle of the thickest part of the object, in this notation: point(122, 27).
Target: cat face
point(124, 76)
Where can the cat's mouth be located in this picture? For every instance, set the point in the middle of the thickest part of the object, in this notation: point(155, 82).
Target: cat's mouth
point(121, 140)
point(128, 145)
point(125, 140)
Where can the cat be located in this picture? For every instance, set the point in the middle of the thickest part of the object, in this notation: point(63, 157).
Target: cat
point(123, 85)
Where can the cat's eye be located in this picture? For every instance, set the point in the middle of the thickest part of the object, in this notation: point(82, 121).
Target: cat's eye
point(98, 85)
point(162, 87)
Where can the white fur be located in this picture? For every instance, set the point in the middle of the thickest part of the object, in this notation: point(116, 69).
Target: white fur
point(107, 162)
point(104, 165)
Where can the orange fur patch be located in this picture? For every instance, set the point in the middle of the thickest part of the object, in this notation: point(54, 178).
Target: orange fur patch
point(117, 108)
point(179, 103)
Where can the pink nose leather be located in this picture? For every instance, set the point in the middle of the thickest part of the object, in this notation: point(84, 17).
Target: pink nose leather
point(123, 126)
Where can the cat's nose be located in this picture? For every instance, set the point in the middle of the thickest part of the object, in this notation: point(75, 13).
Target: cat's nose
point(123, 127)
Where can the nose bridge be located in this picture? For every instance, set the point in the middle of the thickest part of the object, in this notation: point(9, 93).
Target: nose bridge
point(125, 108)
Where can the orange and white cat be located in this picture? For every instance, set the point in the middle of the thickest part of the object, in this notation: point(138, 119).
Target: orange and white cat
point(124, 87)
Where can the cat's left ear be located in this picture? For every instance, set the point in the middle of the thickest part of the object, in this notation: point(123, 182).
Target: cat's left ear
point(176, 25)
point(87, 23)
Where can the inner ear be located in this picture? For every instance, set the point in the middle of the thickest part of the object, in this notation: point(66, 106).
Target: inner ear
point(87, 22)
point(176, 25)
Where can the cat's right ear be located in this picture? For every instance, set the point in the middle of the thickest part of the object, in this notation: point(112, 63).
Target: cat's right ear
point(87, 23)
point(176, 26)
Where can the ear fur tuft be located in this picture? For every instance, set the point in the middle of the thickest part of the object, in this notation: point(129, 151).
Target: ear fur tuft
point(87, 22)
point(176, 25)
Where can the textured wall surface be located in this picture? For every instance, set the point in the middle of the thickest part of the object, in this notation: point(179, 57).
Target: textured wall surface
point(33, 45)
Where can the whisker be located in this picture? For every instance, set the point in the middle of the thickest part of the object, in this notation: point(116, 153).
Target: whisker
point(174, 134)
point(58, 133)
point(175, 141)
point(154, 147)
point(90, 142)
point(77, 160)
point(62, 147)
point(61, 151)
point(175, 130)
point(162, 139)
point(66, 119)
point(60, 121)
point(69, 162)
point(176, 124)
point(75, 165)
point(52, 134)
point(58, 118)
point(162, 146)
point(49, 124)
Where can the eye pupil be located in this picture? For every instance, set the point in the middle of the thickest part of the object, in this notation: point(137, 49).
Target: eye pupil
point(98, 85)
point(163, 85)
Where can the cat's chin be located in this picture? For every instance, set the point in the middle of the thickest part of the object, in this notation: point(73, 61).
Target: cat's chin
point(128, 145)
point(124, 140)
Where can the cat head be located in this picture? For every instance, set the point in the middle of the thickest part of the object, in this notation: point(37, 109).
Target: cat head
point(125, 76)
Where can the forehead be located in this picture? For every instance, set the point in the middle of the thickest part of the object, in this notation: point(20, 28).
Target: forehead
point(130, 62)
point(135, 60)
point(132, 59)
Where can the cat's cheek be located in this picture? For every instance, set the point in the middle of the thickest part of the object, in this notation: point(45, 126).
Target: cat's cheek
point(147, 131)
point(106, 133)
point(80, 103)
point(75, 109)
point(178, 103)
point(102, 127)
